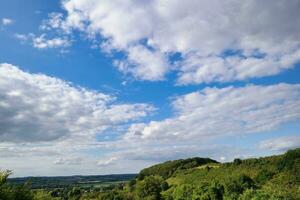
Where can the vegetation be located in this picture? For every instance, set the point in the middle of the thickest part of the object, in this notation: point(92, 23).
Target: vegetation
point(269, 178)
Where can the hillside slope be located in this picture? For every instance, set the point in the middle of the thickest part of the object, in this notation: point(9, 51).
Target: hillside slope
point(274, 177)
point(268, 178)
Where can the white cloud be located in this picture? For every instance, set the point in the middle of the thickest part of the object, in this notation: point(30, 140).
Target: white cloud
point(55, 21)
point(36, 107)
point(164, 153)
point(22, 37)
point(7, 21)
point(204, 118)
point(42, 42)
point(280, 144)
point(214, 113)
point(144, 64)
point(196, 69)
point(106, 162)
point(206, 29)
point(68, 161)
point(43, 116)
point(150, 154)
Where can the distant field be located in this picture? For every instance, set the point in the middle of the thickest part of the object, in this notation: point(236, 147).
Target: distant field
point(71, 181)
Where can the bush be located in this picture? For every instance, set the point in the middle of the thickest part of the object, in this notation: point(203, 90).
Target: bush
point(263, 176)
point(238, 185)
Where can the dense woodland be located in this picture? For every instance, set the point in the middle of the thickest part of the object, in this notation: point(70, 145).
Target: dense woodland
point(269, 178)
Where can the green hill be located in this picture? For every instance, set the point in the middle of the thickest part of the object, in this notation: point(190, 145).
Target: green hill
point(268, 178)
point(274, 177)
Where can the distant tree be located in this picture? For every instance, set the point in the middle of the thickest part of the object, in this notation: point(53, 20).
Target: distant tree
point(237, 161)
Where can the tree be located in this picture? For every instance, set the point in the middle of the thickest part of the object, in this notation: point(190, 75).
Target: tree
point(237, 185)
point(150, 188)
point(13, 192)
point(216, 191)
point(263, 176)
point(183, 192)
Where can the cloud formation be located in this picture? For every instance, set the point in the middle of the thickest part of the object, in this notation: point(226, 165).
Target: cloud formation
point(213, 114)
point(36, 107)
point(218, 41)
point(280, 144)
point(42, 116)
point(217, 112)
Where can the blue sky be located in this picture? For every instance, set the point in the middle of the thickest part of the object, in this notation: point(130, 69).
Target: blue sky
point(133, 79)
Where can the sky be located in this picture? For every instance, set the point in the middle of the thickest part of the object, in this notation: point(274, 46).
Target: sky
point(105, 87)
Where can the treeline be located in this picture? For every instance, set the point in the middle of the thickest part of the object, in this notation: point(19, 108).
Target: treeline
point(269, 178)
point(70, 181)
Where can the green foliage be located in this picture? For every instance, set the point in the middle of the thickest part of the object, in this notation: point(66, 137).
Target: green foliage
point(13, 192)
point(183, 192)
point(43, 195)
point(255, 195)
point(74, 194)
point(3, 176)
point(150, 188)
point(237, 185)
point(242, 179)
point(264, 175)
point(237, 161)
point(289, 159)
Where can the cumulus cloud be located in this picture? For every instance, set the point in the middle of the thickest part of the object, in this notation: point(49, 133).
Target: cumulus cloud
point(144, 64)
point(7, 21)
point(203, 118)
point(36, 107)
point(218, 112)
point(266, 35)
point(196, 69)
point(280, 144)
point(43, 42)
